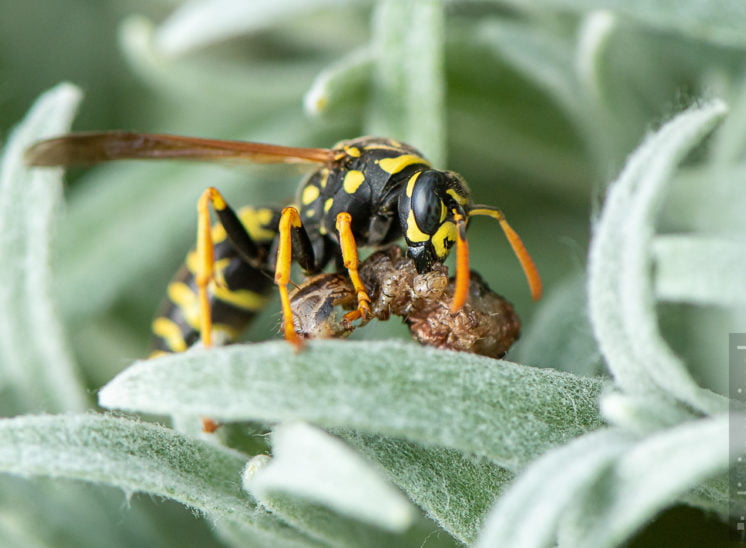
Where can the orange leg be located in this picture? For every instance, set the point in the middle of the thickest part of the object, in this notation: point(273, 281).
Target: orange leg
point(351, 263)
point(461, 291)
point(289, 219)
point(206, 272)
point(206, 259)
point(209, 426)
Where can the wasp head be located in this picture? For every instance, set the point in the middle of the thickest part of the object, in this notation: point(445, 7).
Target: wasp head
point(431, 208)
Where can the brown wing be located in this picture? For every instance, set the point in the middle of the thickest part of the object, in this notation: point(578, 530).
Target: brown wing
point(105, 146)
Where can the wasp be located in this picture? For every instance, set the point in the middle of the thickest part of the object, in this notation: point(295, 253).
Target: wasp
point(364, 192)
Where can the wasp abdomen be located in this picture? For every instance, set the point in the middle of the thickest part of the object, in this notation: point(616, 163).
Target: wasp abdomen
point(238, 292)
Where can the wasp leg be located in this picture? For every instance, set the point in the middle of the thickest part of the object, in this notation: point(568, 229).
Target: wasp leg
point(461, 291)
point(241, 289)
point(292, 237)
point(205, 268)
point(351, 263)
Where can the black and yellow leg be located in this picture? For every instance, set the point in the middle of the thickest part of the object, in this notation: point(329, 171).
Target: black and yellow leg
point(292, 237)
point(205, 261)
point(205, 271)
point(351, 263)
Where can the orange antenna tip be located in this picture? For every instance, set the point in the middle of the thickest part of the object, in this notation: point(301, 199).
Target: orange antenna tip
point(521, 253)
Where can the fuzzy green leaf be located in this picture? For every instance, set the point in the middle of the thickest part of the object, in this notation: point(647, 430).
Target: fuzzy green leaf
point(609, 486)
point(204, 81)
point(341, 89)
point(454, 489)
point(647, 478)
point(185, 30)
point(137, 457)
point(499, 409)
point(66, 513)
point(408, 80)
point(706, 198)
point(132, 455)
point(720, 22)
point(543, 492)
point(700, 269)
point(35, 362)
point(312, 465)
point(644, 414)
point(317, 483)
point(622, 305)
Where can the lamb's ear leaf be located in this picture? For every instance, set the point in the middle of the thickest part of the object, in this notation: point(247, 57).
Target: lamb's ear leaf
point(620, 286)
point(137, 457)
point(37, 369)
point(508, 412)
point(455, 489)
point(715, 22)
point(666, 467)
point(408, 83)
point(547, 487)
point(325, 488)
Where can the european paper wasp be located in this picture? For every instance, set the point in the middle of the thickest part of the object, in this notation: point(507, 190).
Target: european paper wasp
point(367, 191)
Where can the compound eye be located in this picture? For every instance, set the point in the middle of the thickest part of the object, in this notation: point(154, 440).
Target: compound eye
point(427, 206)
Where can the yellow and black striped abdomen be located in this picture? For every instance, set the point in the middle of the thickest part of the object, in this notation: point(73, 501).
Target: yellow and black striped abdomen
point(239, 291)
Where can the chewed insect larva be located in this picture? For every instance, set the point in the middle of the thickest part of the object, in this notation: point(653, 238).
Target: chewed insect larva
point(487, 323)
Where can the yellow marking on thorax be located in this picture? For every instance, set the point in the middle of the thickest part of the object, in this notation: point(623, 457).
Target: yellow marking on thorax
point(352, 151)
point(328, 204)
point(446, 232)
point(170, 332)
point(240, 298)
point(310, 193)
point(353, 179)
point(256, 221)
point(414, 234)
point(396, 164)
point(383, 146)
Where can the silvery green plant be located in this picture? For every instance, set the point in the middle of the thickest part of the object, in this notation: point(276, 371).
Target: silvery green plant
point(616, 124)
